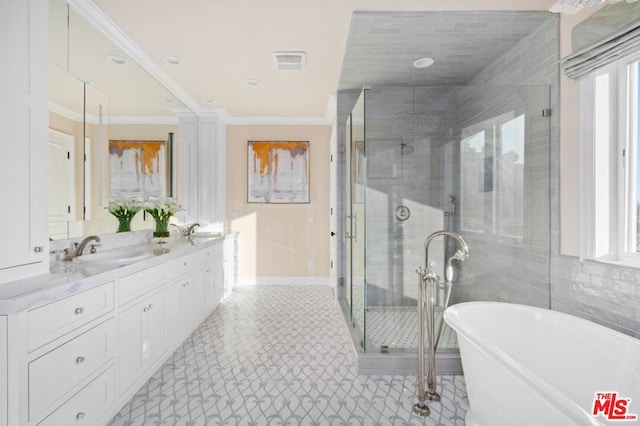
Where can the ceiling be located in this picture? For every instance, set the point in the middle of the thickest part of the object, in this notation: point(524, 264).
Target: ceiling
point(222, 43)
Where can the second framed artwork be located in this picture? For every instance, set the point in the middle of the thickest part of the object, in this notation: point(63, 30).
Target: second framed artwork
point(138, 168)
point(278, 172)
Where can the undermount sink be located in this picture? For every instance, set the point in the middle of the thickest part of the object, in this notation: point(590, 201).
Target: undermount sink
point(206, 234)
point(114, 257)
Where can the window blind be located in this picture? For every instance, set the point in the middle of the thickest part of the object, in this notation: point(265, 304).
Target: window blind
point(603, 53)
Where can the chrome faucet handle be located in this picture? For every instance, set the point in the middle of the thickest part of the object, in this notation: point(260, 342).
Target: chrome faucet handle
point(431, 272)
point(67, 254)
point(94, 248)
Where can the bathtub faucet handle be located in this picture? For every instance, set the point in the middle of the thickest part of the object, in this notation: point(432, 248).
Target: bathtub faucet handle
point(431, 272)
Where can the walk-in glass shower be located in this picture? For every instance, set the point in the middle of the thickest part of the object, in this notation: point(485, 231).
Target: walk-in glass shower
point(419, 159)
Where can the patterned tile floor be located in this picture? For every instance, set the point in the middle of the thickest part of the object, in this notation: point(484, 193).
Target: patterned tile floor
point(280, 355)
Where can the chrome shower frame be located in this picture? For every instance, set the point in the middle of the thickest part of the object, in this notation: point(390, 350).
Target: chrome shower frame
point(427, 281)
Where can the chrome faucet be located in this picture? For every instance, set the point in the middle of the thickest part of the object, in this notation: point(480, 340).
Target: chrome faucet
point(427, 280)
point(190, 229)
point(82, 244)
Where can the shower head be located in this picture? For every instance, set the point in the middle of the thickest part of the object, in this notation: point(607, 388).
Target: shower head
point(406, 149)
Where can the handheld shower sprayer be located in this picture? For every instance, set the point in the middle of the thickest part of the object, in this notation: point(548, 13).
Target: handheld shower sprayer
point(460, 256)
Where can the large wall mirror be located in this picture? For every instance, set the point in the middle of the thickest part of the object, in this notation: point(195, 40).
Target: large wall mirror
point(97, 96)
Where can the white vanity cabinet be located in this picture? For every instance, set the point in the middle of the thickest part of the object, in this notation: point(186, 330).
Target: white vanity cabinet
point(78, 358)
point(56, 352)
point(4, 386)
point(24, 118)
point(141, 339)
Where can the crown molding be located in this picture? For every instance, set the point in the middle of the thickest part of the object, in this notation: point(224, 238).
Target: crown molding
point(170, 120)
point(65, 112)
point(96, 17)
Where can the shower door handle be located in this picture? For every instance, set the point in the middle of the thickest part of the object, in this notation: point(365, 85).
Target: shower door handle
point(353, 235)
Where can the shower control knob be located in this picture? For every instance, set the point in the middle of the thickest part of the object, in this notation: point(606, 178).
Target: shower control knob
point(402, 213)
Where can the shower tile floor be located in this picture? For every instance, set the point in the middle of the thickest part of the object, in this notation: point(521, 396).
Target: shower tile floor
point(280, 355)
point(397, 327)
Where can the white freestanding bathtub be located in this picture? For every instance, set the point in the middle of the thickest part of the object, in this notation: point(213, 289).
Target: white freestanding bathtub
point(531, 366)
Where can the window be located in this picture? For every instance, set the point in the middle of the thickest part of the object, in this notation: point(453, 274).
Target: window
point(609, 162)
point(492, 177)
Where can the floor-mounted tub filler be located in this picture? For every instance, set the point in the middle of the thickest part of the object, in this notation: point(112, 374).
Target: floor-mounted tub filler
point(427, 282)
point(531, 366)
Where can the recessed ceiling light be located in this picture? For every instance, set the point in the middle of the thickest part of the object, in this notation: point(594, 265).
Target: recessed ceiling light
point(251, 82)
point(169, 100)
point(117, 60)
point(423, 63)
point(172, 60)
point(209, 101)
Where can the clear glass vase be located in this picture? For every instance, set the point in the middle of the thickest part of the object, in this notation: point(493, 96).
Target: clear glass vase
point(124, 224)
point(162, 227)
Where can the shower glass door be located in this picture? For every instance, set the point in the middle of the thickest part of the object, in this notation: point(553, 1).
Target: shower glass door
point(355, 219)
point(469, 159)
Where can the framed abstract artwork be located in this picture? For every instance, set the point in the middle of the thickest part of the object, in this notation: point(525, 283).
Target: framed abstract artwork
point(278, 172)
point(137, 168)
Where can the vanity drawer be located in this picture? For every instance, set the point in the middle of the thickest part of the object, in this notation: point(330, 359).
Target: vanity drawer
point(51, 321)
point(135, 285)
point(204, 256)
point(59, 371)
point(88, 405)
point(180, 266)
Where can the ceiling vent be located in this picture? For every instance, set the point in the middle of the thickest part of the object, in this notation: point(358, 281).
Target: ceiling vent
point(290, 60)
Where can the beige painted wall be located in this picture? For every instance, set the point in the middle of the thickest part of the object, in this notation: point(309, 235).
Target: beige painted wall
point(570, 143)
point(278, 240)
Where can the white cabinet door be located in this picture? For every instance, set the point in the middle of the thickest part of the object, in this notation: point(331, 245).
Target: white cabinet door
point(215, 284)
point(200, 296)
point(192, 289)
point(4, 395)
point(141, 339)
point(175, 321)
point(23, 118)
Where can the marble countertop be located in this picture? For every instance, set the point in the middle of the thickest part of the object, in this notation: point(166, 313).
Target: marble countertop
point(66, 278)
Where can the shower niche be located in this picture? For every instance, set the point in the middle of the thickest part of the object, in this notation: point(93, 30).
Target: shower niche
point(468, 159)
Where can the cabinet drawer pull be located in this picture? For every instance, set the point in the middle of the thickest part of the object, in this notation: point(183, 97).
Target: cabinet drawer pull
point(185, 284)
point(145, 309)
point(80, 415)
point(151, 306)
point(79, 360)
point(79, 311)
point(185, 263)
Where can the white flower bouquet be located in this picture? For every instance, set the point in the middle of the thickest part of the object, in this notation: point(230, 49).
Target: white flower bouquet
point(124, 209)
point(161, 209)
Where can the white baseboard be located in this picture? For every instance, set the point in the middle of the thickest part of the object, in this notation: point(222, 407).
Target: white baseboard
point(283, 281)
